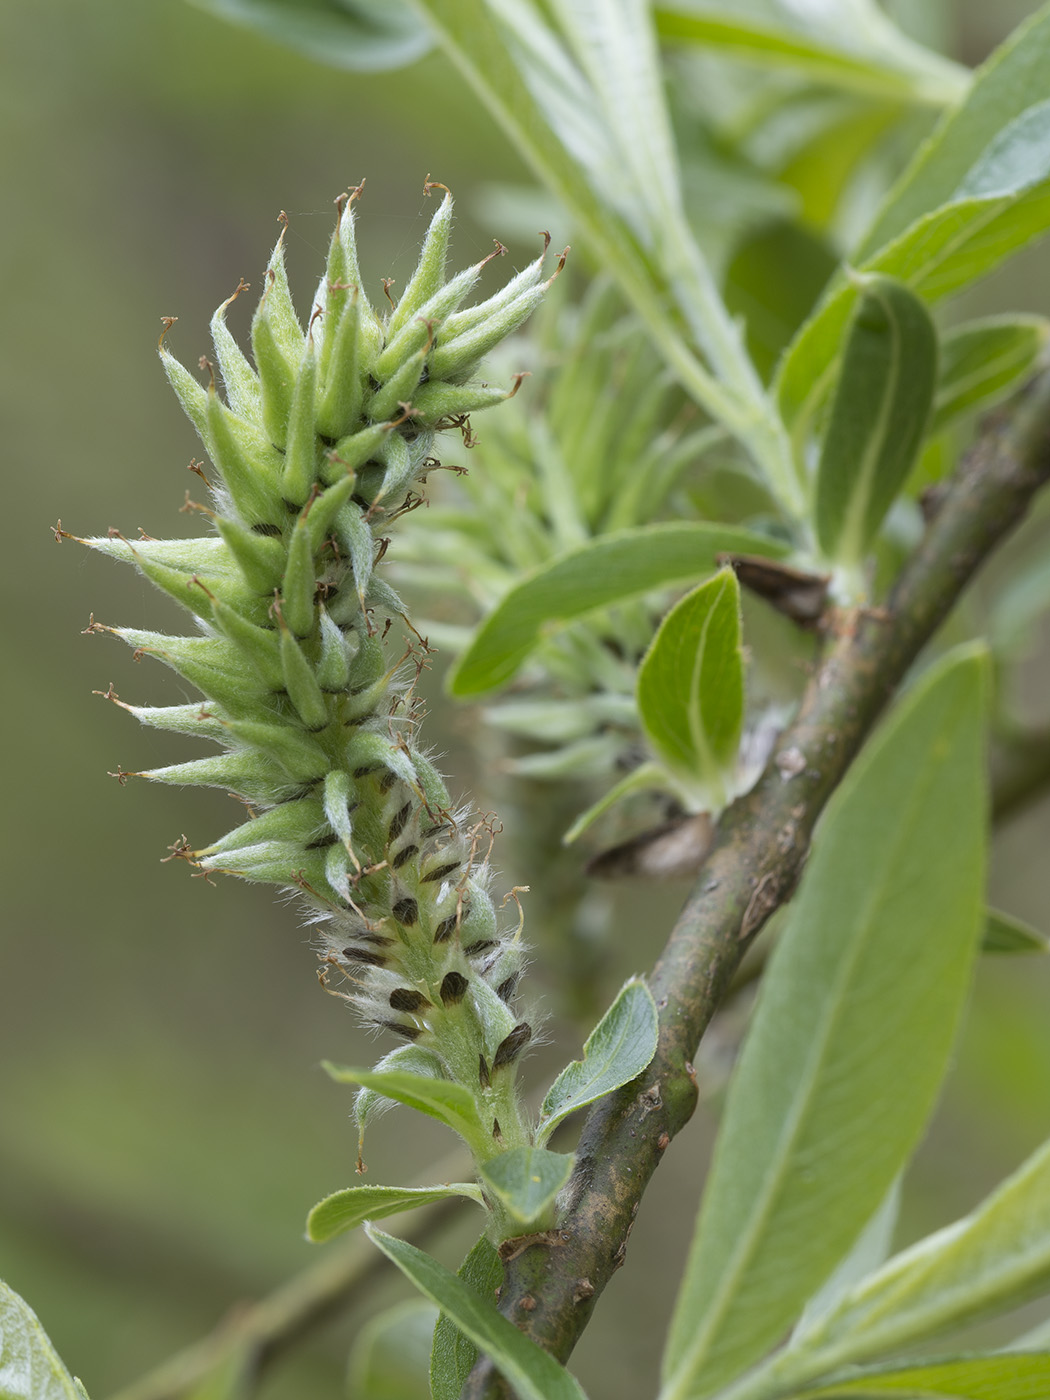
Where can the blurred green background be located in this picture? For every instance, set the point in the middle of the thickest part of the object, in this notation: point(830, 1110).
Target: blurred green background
point(164, 1125)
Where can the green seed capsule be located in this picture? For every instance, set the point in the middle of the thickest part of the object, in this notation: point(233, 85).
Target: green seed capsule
point(463, 321)
point(301, 757)
point(320, 513)
point(438, 400)
point(429, 273)
point(369, 751)
point(400, 468)
point(426, 322)
point(258, 645)
point(216, 667)
point(190, 556)
point(260, 558)
point(337, 652)
point(301, 683)
point(354, 451)
point(192, 396)
point(245, 771)
point(193, 594)
point(203, 721)
point(457, 357)
point(354, 342)
point(342, 273)
point(435, 793)
point(272, 863)
point(301, 454)
point(240, 380)
point(340, 796)
point(299, 822)
point(277, 344)
point(250, 468)
point(356, 540)
point(300, 582)
point(398, 389)
point(368, 665)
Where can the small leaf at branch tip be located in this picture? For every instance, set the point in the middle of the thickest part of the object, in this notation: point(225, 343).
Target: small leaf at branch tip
point(619, 1048)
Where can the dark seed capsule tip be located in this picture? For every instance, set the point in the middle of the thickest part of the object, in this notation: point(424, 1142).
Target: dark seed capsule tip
point(406, 912)
point(511, 1046)
point(445, 929)
point(440, 872)
point(405, 999)
point(507, 988)
point(404, 856)
point(398, 821)
point(483, 945)
point(362, 955)
point(409, 1032)
point(387, 781)
point(483, 1072)
point(453, 988)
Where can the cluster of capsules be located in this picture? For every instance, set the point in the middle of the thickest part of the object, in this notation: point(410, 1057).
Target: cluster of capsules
point(317, 448)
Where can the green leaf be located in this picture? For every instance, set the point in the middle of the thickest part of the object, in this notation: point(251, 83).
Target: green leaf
point(691, 689)
point(452, 1355)
point(449, 1103)
point(533, 1372)
point(357, 35)
point(773, 280)
point(870, 1251)
point(896, 72)
point(947, 222)
point(991, 1261)
point(646, 775)
point(981, 361)
point(878, 416)
point(619, 565)
point(1003, 933)
point(526, 1181)
point(864, 989)
point(29, 1365)
point(1003, 1376)
point(388, 1359)
point(621, 1045)
point(520, 71)
point(345, 1210)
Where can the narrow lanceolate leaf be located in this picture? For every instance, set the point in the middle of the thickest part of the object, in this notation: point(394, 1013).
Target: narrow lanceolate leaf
point(691, 689)
point(621, 1045)
point(358, 35)
point(452, 1355)
point(345, 1210)
point(981, 361)
point(1009, 1376)
point(449, 1103)
point(878, 416)
point(865, 989)
point(975, 193)
point(894, 68)
point(520, 71)
point(29, 1365)
point(525, 1182)
point(991, 1261)
point(1003, 933)
point(533, 1373)
point(605, 571)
